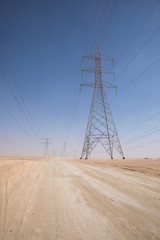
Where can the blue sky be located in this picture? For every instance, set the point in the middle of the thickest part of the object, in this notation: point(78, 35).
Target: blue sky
point(43, 42)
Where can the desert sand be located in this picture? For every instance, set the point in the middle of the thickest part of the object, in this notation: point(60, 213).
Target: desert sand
point(61, 199)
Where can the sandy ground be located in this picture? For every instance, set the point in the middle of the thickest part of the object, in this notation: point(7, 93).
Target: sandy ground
point(73, 200)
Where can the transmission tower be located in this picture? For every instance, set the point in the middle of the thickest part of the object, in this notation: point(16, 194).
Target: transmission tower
point(100, 127)
point(64, 150)
point(63, 153)
point(53, 152)
point(46, 148)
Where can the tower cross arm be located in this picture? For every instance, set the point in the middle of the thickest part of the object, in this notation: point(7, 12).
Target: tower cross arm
point(105, 85)
point(87, 85)
point(106, 58)
point(98, 57)
point(88, 57)
point(103, 57)
point(108, 71)
point(93, 70)
point(88, 70)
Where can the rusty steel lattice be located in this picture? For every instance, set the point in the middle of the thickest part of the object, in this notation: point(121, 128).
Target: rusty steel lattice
point(101, 127)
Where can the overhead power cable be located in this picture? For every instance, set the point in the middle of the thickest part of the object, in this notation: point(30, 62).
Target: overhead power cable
point(10, 130)
point(6, 140)
point(75, 106)
point(138, 30)
point(139, 75)
point(15, 119)
point(108, 21)
point(145, 134)
point(137, 53)
point(142, 123)
point(93, 24)
point(144, 144)
point(99, 24)
point(73, 116)
point(20, 95)
point(18, 102)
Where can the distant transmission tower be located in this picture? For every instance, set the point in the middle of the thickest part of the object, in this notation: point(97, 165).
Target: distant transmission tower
point(46, 149)
point(53, 152)
point(63, 153)
point(64, 150)
point(100, 127)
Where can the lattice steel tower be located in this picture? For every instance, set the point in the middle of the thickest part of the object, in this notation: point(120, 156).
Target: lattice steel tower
point(100, 127)
point(46, 149)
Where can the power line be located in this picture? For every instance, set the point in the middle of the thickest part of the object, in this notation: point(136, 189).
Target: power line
point(143, 46)
point(138, 30)
point(100, 23)
point(78, 96)
point(76, 102)
point(18, 102)
point(92, 25)
point(10, 130)
point(18, 91)
point(145, 134)
point(139, 125)
point(74, 108)
point(15, 119)
point(108, 21)
point(141, 145)
point(6, 140)
point(139, 75)
point(106, 5)
point(73, 116)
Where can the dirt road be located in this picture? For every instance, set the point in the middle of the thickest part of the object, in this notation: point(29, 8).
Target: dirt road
point(66, 200)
